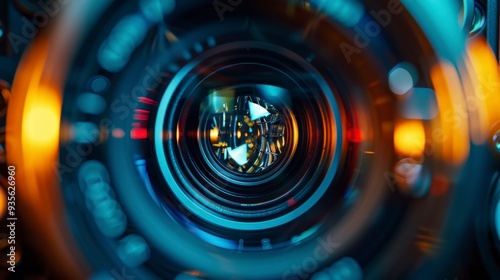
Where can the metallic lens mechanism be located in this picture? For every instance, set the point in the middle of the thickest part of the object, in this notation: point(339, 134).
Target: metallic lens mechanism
point(247, 134)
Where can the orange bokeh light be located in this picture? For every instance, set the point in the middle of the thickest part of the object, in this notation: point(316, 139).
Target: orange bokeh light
point(409, 137)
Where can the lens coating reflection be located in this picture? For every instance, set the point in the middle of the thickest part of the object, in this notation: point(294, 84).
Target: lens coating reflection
point(247, 134)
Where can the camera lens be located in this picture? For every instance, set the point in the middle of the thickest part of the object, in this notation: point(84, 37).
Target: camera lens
point(266, 139)
point(244, 140)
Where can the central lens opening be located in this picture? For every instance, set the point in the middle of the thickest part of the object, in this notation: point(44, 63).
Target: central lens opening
point(246, 134)
point(245, 140)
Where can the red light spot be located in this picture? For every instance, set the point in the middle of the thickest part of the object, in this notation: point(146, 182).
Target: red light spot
point(141, 115)
point(139, 133)
point(439, 186)
point(355, 135)
point(291, 202)
point(147, 101)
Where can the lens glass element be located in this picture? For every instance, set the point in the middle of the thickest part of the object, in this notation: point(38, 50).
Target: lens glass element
point(246, 133)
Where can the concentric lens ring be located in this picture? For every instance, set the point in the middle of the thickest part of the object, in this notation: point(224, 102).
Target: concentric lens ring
point(229, 196)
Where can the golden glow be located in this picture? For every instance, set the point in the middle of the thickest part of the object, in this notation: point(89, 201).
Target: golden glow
point(32, 137)
point(486, 89)
point(409, 138)
point(41, 119)
point(453, 130)
point(214, 135)
point(3, 202)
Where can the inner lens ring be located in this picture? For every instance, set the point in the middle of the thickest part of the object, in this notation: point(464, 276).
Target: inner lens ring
point(191, 200)
point(289, 133)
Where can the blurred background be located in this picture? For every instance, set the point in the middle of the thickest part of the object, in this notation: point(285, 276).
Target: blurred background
point(238, 139)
